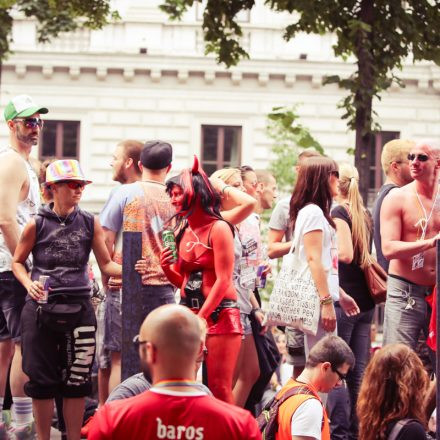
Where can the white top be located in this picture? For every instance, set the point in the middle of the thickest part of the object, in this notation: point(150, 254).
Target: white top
point(311, 218)
point(26, 209)
point(307, 419)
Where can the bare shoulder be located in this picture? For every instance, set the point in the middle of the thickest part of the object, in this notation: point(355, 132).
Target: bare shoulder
point(400, 195)
point(220, 228)
point(12, 166)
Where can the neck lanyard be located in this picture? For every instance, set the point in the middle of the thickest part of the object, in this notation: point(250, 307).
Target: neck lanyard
point(423, 222)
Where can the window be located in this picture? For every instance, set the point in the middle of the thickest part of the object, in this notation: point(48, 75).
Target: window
point(376, 176)
point(221, 147)
point(60, 139)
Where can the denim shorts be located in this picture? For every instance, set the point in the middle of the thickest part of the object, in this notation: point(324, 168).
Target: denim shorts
point(151, 297)
point(12, 298)
point(246, 324)
point(295, 347)
point(113, 320)
point(102, 354)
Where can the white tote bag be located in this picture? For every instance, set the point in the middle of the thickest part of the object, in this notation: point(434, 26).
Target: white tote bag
point(294, 301)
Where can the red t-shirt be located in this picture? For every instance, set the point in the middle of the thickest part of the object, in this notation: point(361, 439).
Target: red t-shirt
point(166, 414)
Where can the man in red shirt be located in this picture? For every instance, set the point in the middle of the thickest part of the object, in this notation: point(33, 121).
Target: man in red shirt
point(175, 407)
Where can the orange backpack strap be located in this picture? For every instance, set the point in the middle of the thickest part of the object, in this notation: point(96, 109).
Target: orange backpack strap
point(268, 419)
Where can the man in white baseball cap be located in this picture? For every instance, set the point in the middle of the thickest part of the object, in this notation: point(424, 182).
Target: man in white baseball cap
point(19, 201)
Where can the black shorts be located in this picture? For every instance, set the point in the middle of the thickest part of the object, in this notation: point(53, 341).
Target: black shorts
point(58, 363)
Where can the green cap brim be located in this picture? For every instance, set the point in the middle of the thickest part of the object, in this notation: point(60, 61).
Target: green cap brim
point(31, 111)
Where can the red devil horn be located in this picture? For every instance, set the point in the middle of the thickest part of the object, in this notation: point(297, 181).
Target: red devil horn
point(195, 167)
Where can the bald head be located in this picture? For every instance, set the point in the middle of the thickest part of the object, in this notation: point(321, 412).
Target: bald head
point(431, 146)
point(174, 331)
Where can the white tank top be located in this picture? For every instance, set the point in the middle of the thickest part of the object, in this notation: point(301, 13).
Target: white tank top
point(25, 211)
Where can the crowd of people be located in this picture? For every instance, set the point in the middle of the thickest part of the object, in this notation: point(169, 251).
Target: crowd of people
point(200, 317)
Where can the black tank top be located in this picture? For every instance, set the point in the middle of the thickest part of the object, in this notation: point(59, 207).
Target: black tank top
point(62, 252)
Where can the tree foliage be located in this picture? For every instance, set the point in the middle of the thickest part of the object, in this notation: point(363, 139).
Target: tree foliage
point(289, 136)
point(379, 34)
point(53, 17)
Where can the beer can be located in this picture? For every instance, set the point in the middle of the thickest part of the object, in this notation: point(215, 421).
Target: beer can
point(261, 278)
point(170, 242)
point(44, 280)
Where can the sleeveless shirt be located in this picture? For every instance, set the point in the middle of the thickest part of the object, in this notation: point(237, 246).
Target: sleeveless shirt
point(26, 209)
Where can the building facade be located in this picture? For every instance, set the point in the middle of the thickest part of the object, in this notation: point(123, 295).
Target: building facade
point(145, 77)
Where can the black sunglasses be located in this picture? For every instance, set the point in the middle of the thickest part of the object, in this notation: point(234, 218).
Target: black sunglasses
point(31, 122)
point(334, 173)
point(137, 342)
point(419, 157)
point(341, 376)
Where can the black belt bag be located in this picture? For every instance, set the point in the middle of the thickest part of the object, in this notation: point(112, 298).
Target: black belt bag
point(194, 298)
point(59, 317)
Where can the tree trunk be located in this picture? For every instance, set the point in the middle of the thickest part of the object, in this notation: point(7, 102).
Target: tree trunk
point(364, 98)
point(363, 142)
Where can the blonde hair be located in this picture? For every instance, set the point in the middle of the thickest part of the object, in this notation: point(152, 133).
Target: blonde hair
point(360, 220)
point(225, 174)
point(395, 151)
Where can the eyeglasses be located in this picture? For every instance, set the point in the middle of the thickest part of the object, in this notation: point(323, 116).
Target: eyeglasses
point(72, 184)
point(420, 157)
point(31, 122)
point(341, 375)
point(334, 173)
point(137, 342)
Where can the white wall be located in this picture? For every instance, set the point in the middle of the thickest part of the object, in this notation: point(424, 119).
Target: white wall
point(100, 79)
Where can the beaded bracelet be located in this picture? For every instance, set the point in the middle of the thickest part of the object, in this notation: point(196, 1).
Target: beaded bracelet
point(326, 300)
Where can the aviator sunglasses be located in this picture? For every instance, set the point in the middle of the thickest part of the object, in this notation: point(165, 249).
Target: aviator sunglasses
point(419, 157)
point(31, 122)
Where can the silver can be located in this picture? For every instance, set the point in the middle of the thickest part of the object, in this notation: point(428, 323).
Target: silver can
point(44, 280)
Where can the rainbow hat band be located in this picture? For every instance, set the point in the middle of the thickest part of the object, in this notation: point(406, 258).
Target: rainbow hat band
point(61, 170)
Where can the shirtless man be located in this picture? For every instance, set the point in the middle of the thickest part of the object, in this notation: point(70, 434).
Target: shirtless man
point(410, 225)
point(19, 201)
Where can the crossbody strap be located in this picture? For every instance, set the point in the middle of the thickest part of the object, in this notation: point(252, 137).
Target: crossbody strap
point(299, 389)
point(398, 427)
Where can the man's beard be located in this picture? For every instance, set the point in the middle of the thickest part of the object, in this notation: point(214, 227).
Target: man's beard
point(30, 139)
point(119, 177)
point(146, 370)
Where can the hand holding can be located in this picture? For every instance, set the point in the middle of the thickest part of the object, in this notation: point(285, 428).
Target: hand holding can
point(44, 281)
point(170, 242)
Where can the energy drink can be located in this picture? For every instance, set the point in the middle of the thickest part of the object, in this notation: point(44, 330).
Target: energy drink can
point(170, 242)
point(44, 280)
point(261, 278)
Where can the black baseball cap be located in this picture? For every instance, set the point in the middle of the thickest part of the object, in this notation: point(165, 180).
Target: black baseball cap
point(156, 155)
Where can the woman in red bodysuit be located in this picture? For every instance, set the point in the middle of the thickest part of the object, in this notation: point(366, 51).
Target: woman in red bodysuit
point(204, 270)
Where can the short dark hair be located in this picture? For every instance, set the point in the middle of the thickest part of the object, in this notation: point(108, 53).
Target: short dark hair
point(132, 150)
point(331, 349)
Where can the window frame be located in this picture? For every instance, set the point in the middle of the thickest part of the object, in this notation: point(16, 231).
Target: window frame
point(219, 162)
point(59, 134)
